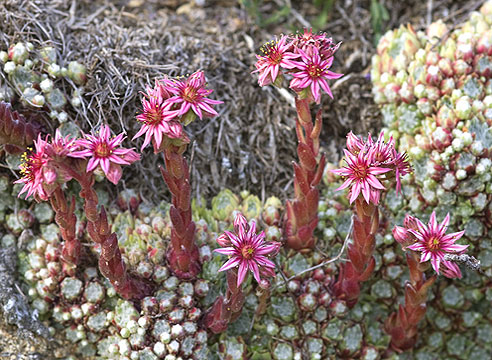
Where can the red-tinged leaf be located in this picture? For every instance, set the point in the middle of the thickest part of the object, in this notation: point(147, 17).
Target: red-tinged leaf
point(319, 171)
point(411, 295)
point(103, 226)
point(402, 316)
point(368, 246)
point(359, 233)
point(300, 178)
point(109, 247)
point(300, 133)
point(169, 180)
point(299, 212)
point(312, 200)
point(368, 271)
point(189, 236)
point(237, 302)
point(291, 223)
point(176, 220)
point(91, 229)
point(417, 314)
point(176, 165)
point(413, 265)
point(184, 202)
point(318, 124)
point(72, 205)
point(303, 111)
point(306, 157)
point(183, 262)
point(374, 223)
point(305, 234)
point(397, 334)
point(428, 283)
point(390, 322)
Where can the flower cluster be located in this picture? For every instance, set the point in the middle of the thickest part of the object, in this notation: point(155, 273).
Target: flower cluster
point(306, 57)
point(51, 162)
point(170, 104)
point(432, 242)
point(369, 163)
point(247, 250)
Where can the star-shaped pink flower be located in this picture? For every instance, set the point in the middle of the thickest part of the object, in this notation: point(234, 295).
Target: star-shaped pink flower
point(191, 94)
point(433, 242)
point(35, 172)
point(313, 73)
point(247, 250)
point(276, 56)
point(360, 176)
point(157, 119)
point(106, 153)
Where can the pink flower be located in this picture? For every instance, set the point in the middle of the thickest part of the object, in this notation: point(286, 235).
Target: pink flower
point(383, 151)
point(191, 94)
point(367, 160)
point(433, 242)
point(61, 146)
point(157, 119)
point(361, 176)
point(35, 172)
point(354, 143)
point(450, 270)
point(401, 235)
point(313, 72)
point(275, 57)
point(308, 40)
point(248, 251)
point(402, 167)
point(106, 153)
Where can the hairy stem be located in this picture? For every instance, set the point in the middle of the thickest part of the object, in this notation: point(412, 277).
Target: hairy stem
point(182, 255)
point(360, 252)
point(302, 212)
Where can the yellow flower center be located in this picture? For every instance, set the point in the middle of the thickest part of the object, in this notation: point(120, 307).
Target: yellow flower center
point(248, 252)
point(189, 94)
point(433, 243)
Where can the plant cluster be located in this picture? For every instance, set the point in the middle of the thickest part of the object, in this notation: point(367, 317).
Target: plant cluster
point(159, 295)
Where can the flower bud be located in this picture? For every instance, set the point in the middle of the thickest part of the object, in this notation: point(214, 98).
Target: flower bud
point(401, 234)
point(354, 144)
point(410, 222)
point(223, 240)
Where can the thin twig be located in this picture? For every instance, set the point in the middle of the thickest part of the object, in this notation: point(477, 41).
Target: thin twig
point(469, 261)
point(324, 263)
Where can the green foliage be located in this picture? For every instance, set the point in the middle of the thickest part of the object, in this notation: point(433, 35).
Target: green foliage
point(325, 7)
point(379, 15)
point(253, 9)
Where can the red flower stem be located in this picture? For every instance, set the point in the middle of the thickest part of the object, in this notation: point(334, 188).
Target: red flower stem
point(182, 255)
point(67, 221)
point(111, 263)
point(302, 212)
point(225, 310)
point(361, 264)
point(402, 324)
